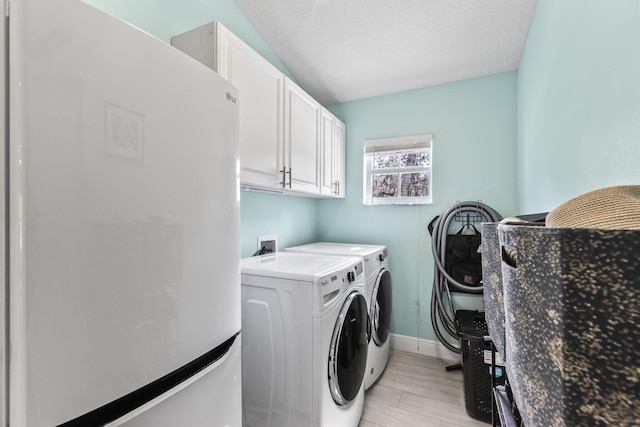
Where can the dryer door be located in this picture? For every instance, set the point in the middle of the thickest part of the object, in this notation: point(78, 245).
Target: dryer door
point(381, 307)
point(348, 351)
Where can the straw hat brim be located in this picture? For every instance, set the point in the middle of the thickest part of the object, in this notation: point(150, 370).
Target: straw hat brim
point(612, 208)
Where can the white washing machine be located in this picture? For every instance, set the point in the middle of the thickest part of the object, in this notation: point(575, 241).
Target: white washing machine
point(304, 340)
point(377, 293)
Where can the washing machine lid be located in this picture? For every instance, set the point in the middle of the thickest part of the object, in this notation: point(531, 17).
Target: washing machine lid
point(374, 256)
point(296, 266)
point(347, 249)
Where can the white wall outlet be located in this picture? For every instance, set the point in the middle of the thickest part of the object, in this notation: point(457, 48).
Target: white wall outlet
point(269, 242)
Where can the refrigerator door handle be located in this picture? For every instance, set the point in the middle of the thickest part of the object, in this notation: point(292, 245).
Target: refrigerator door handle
point(138, 401)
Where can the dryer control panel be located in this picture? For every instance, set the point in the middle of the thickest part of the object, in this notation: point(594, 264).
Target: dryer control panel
point(374, 261)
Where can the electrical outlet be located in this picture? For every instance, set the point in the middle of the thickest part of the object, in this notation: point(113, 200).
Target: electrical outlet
point(268, 246)
point(268, 243)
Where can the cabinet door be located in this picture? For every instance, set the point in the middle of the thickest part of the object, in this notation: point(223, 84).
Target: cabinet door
point(332, 155)
point(327, 147)
point(339, 175)
point(260, 87)
point(301, 136)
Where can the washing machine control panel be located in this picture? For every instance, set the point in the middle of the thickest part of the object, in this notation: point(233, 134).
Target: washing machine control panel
point(348, 276)
point(374, 261)
point(334, 285)
point(353, 274)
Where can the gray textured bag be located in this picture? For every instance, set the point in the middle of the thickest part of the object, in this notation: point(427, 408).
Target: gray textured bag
point(492, 285)
point(572, 324)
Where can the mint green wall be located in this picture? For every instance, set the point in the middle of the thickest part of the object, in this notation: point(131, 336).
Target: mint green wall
point(293, 219)
point(578, 101)
point(474, 158)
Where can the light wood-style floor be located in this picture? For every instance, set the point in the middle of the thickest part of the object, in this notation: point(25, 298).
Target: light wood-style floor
point(416, 390)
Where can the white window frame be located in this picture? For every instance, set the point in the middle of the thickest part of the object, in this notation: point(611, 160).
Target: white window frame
point(398, 175)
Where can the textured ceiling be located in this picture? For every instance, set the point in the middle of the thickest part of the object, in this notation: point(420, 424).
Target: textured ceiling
point(343, 50)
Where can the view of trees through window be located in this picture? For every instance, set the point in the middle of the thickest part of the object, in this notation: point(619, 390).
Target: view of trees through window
point(398, 170)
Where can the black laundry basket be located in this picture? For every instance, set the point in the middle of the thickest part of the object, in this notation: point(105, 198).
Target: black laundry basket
point(476, 368)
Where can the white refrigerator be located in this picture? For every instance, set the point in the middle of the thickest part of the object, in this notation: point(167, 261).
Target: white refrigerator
point(120, 203)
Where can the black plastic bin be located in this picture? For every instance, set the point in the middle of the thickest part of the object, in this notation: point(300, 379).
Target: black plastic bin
point(476, 364)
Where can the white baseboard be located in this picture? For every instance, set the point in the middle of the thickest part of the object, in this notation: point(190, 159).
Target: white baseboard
point(422, 346)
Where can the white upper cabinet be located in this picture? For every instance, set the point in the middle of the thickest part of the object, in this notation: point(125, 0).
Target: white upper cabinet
point(301, 139)
point(327, 121)
point(339, 159)
point(281, 126)
point(332, 155)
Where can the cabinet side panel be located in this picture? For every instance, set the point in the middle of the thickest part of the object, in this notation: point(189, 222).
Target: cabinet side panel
point(198, 43)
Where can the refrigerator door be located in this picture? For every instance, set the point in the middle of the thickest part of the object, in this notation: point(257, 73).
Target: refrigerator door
point(124, 211)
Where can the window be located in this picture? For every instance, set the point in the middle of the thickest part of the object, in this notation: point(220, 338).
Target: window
point(398, 170)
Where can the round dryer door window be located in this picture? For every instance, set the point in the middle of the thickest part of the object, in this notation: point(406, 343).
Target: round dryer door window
point(348, 351)
point(381, 308)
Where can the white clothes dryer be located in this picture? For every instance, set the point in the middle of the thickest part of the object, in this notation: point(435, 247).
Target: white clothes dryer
point(304, 340)
point(377, 293)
